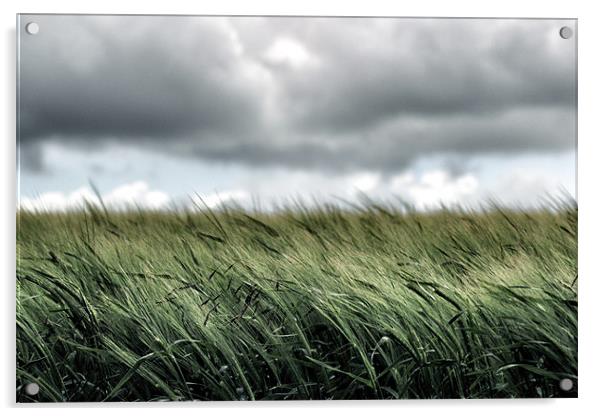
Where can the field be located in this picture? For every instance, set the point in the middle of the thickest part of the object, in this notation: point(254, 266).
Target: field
point(327, 303)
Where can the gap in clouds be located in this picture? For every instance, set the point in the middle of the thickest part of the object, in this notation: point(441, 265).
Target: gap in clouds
point(136, 173)
point(424, 191)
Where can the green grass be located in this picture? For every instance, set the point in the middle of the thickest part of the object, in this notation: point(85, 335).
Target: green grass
point(368, 303)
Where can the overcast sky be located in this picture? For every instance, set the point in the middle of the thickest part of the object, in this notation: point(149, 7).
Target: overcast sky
point(156, 109)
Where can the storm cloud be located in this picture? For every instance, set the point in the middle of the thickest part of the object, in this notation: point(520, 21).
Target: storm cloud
point(312, 93)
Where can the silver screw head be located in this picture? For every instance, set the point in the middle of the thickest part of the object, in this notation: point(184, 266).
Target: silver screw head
point(32, 389)
point(566, 384)
point(566, 32)
point(32, 28)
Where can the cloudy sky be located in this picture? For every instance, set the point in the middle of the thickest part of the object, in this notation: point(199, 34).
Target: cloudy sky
point(160, 111)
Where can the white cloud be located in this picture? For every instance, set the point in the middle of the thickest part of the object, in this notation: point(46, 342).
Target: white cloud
point(57, 201)
point(531, 186)
point(290, 52)
point(365, 181)
point(423, 187)
point(135, 194)
point(435, 188)
point(427, 190)
point(131, 195)
point(220, 198)
point(402, 180)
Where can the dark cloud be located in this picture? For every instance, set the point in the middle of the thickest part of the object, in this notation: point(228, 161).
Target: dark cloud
point(94, 77)
point(308, 92)
point(430, 70)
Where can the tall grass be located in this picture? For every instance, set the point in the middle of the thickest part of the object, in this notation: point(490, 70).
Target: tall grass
point(321, 303)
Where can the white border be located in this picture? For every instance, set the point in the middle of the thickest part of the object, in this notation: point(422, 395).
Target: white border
point(590, 177)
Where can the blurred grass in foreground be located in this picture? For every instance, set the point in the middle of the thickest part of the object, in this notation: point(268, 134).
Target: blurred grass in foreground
point(318, 303)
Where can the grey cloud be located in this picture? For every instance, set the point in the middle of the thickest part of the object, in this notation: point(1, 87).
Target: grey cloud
point(96, 78)
point(31, 157)
point(445, 68)
point(378, 93)
point(392, 146)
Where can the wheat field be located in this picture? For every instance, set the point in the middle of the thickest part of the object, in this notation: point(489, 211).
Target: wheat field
point(366, 302)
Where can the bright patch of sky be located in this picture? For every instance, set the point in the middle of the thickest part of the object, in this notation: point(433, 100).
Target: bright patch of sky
point(135, 177)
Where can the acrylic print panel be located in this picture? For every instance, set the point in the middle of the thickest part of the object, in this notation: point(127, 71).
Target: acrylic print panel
point(271, 208)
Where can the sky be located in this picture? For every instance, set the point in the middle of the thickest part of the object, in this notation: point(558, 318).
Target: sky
point(168, 111)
